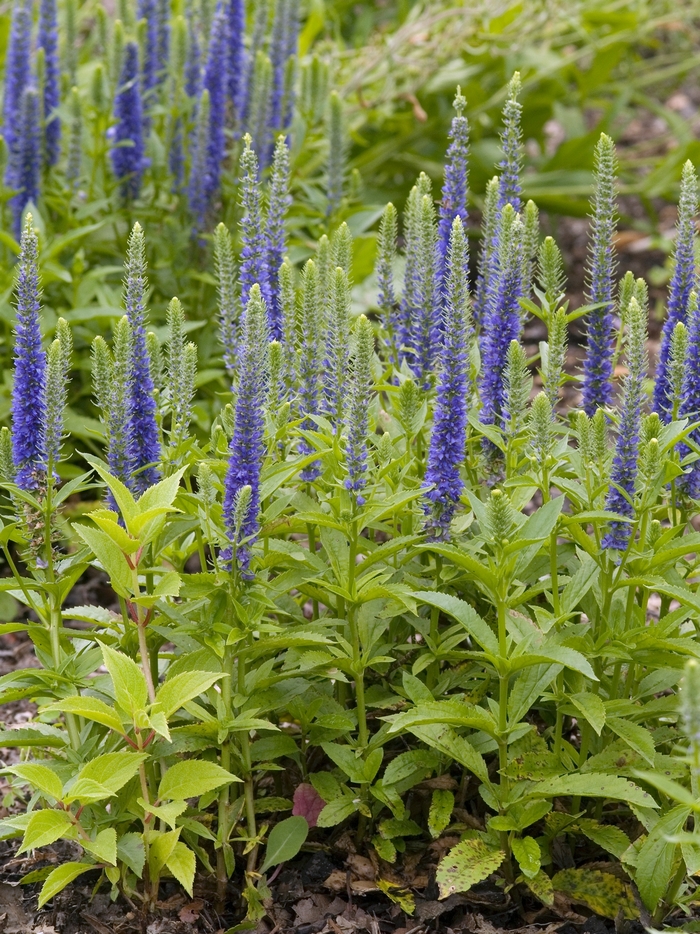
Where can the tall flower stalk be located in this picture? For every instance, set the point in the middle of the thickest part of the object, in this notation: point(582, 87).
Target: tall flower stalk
point(358, 409)
point(681, 284)
point(449, 433)
point(597, 368)
point(128, 150)
point(47, 39)
point(276, 233)
point(29, 385)
point(247, 445)
point(143, 434)
point(502, 323)
point(625, 462)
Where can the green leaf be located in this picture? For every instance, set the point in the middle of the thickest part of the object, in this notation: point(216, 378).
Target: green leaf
point(111, 770)
point(160, 848)
point(656, 857)
point(541, 887)
point(412, 766)
point(635, 736)
point(594, 785)
point(182, 863)
point(337, 810)
point(45, 827)
point(527, 852)
point(168, 813)
point(600, 891)
point(192, 778)
point(92, 708)
point(178, 690)
point(591, 707)
point(285, 841)
point(346, 759)
point(131, 852)
point(441, 807)
point(41, 777)
point(129, 683)
point(110, 556)
point(61, 877)
point(456, 747)
point(104, 846)
point(465, 614)
point(611, 839)
point(469, 862)
point(161, 495)
point(122, 495)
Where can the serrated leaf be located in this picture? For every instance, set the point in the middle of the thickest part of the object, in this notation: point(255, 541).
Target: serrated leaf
point(600, 891)
point(385, 848)
point(160, 848)
point(45, 827)
point(457, 747)
point(541, 887)
point(175, 692)
point(168, 813)
point(465, 614)
point(469, 862)
point(104, 846)
point(192, 778)
point(655, 859)
point(285, 841)
point(594, 785)
point(527, 852)
point(592, 708)
point(110, 556)
point(346, 759)
point(92, 708)
point(112, 769)
point(131, 852)
point(129, 682)
point(182, 863)
point(337, 810)
point(611, 839)
point(41, 777)
point(441, 806)
point(635, 736)
point(59, 878)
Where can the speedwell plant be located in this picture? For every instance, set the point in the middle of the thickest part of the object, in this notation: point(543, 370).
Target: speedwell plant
point(398, 588)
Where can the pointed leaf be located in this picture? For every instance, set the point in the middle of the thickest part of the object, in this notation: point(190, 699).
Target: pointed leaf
point(41, 777)
point(192, 778)
point(465, 614)
point(45, 827)
point(182, 863)
point(469, 862)
point(129, 683)
point(175, 692)
point(60, 877)
point(285, 841)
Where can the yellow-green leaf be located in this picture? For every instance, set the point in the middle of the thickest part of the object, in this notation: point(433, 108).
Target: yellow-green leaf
point(600, 891)
point(469, 862)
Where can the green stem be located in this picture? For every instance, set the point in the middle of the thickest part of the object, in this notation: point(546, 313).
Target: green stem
point(434, 668)
point(249, 788)
point(224, 794)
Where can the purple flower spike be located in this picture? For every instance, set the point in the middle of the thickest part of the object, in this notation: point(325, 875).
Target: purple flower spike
point(127, 154)
point(681, 284)
point(690, 401)
point(47, 39)
point(625, 463)
point(17, 79)
point(455, 185)
point(449, 434)
point(502, 323)
point(143, 434)
point(254, 269)
point(28, 168)
point(597, 370)
point(247, 445)
point(29, 387)
point(276, 233)
point(510, 189)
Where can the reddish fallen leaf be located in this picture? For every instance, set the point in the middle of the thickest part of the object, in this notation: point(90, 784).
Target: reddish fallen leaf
point(308, 803)
point(190, 913)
